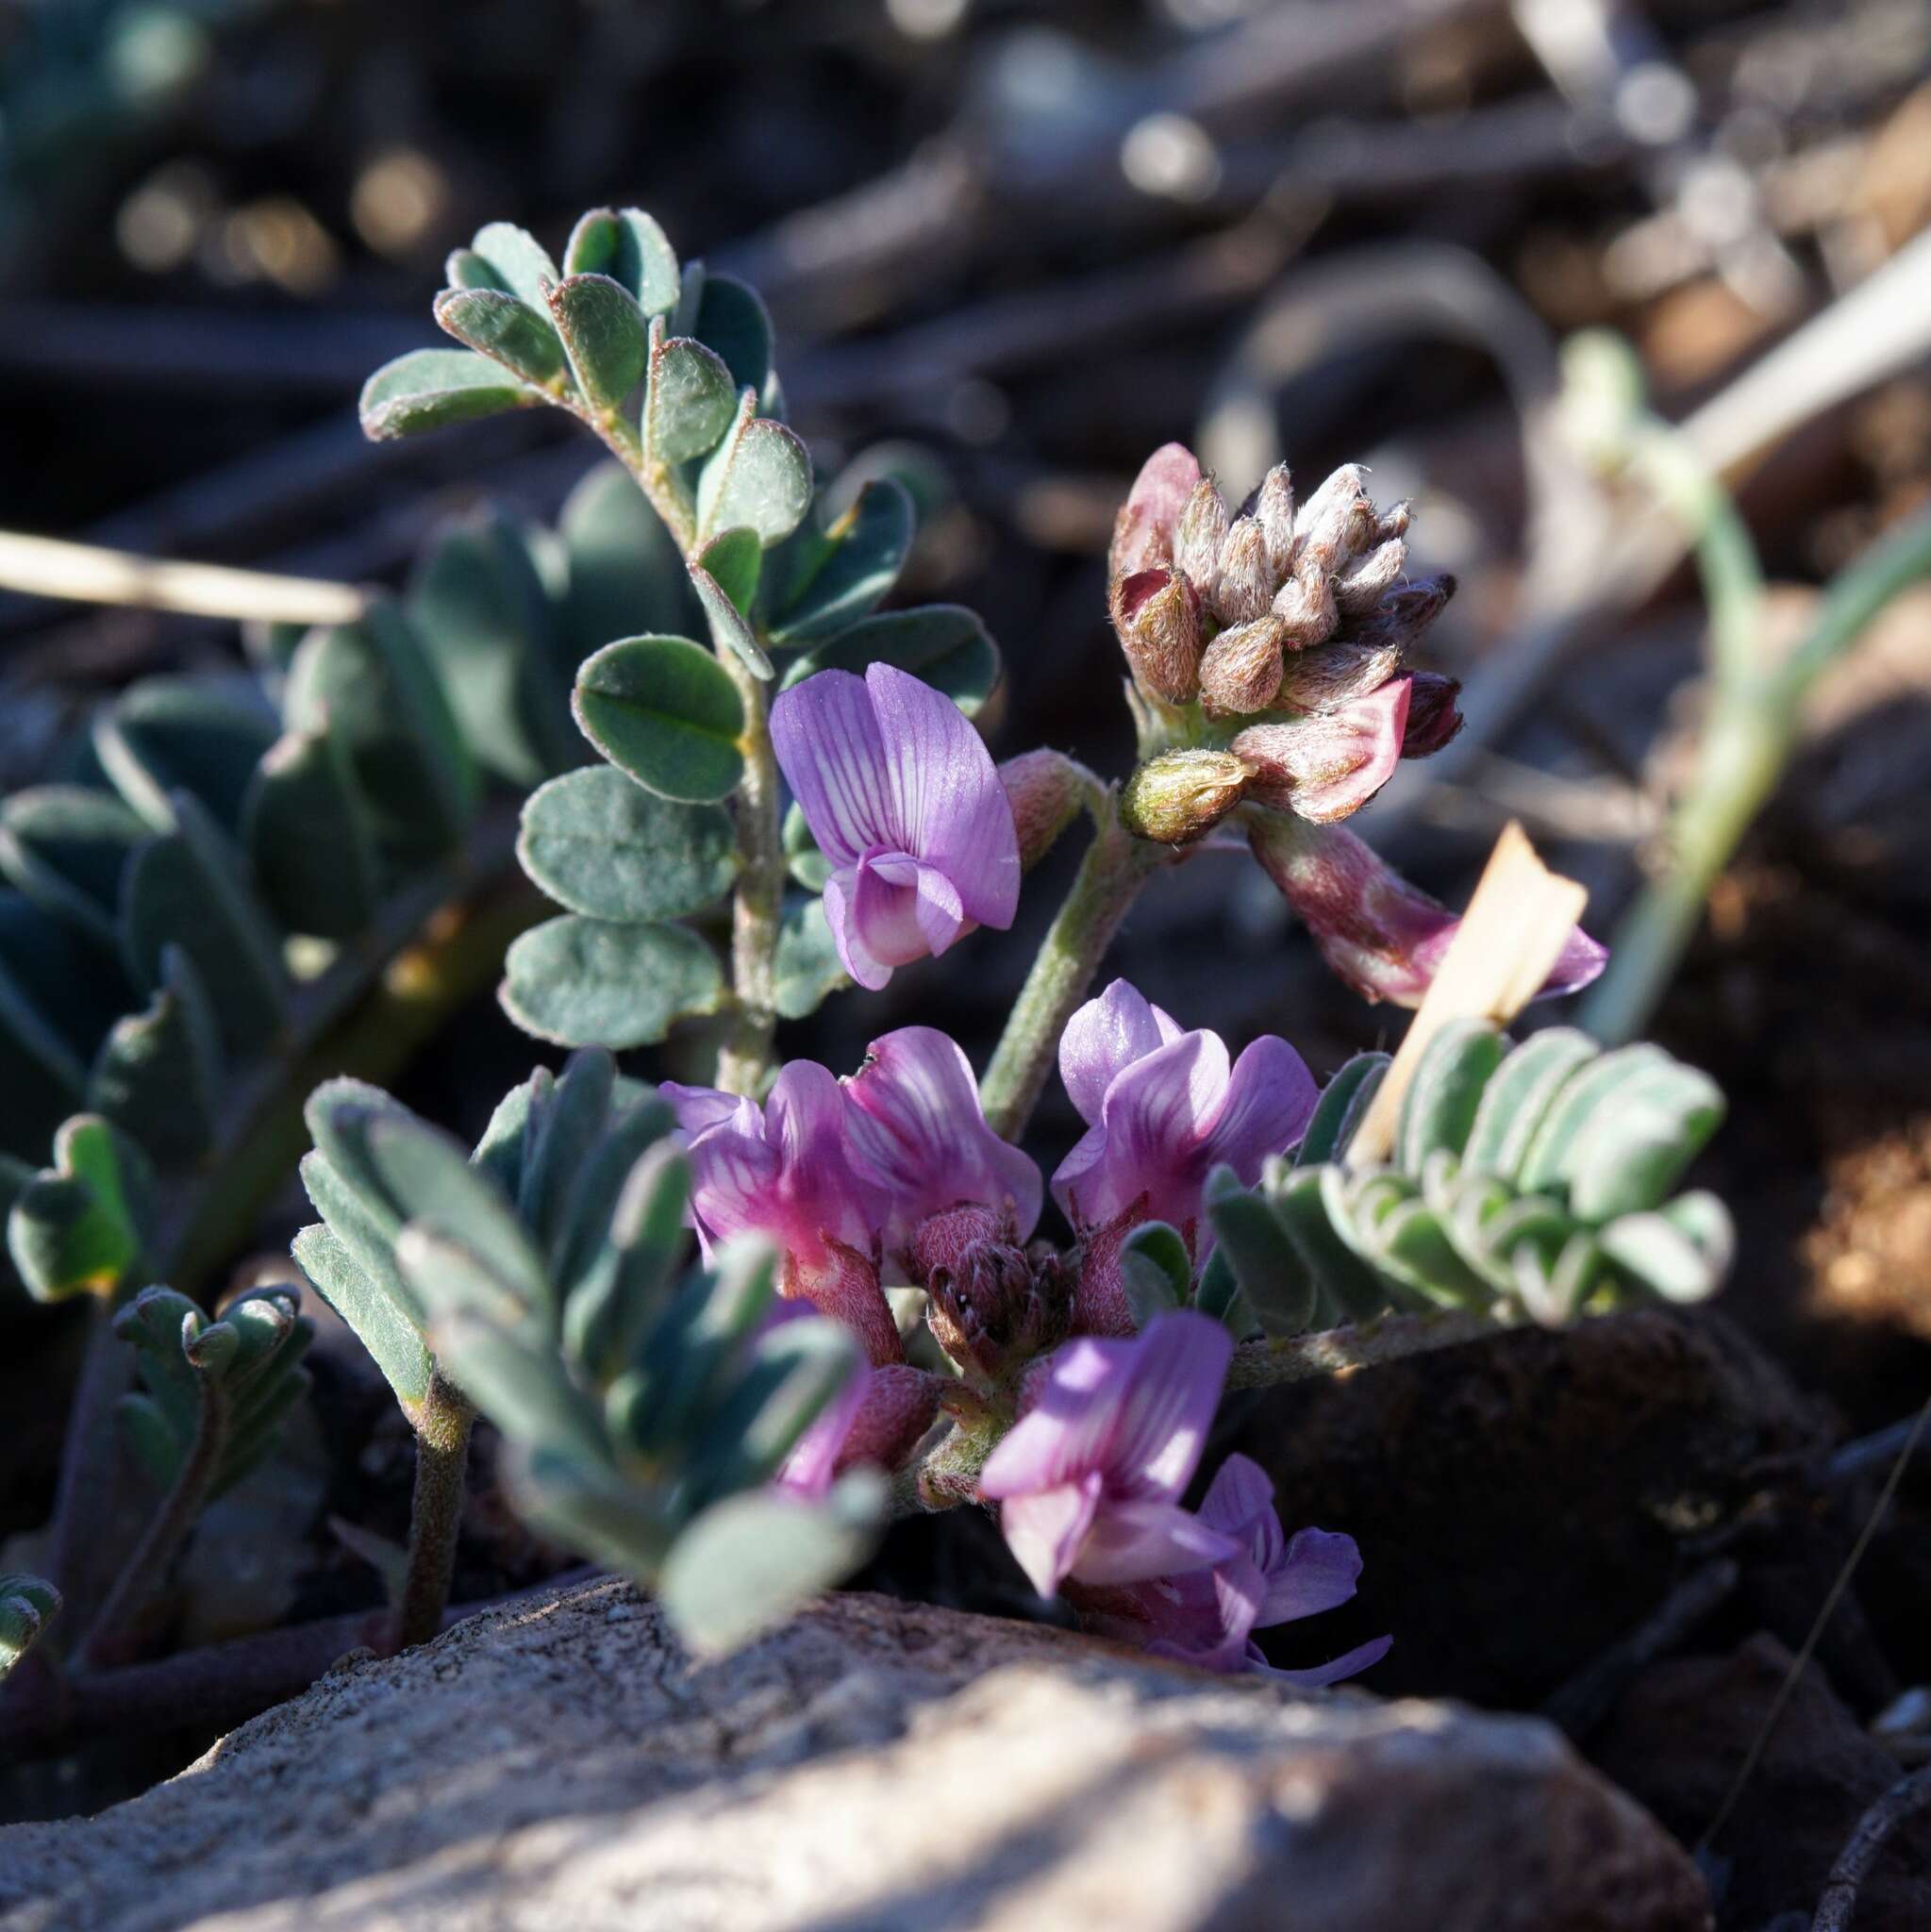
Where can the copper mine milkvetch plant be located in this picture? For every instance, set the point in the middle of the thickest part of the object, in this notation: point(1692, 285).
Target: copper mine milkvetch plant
point(727, 1330)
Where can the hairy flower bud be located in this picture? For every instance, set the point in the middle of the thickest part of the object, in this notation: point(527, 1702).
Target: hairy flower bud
point(1434, 715)
point(1306, 609)
point(1157, 614)
point(940, 1239)
point(1241, 671)
point(999, 1305)
point(1180, 794)
point(1337, 672)
point(1331, 763)
point(1202, 531)
point(1404, 613)
point(1335, 524)
point(1363, 585)
point(1273, 510)
point(1144, 531)
point(1246, 586)
point(1044, 790)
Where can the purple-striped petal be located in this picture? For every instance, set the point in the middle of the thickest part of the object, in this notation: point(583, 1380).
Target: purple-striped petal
point(1239, 1499)
point(1044, 1529)
point(917, 1136)
point(946, 795)
point(780, 1171)
point(1173, 1386)
point(907, 806)
point(1348, 1665)
point(1071, 1421)
point(1104, 1038)
point(1154, 1117)
point(1318, 1571)
point(1269, 1100)
point(902, 909)
point(827, 737)
point(1135, 1538)
point(698, 1109)
point(864, 967)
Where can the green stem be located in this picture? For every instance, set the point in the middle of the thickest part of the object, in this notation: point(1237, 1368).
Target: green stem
point(749, 1056)
point(442, 1421)
point(1746, 745)
point(165, 1534)
point(1116, 866)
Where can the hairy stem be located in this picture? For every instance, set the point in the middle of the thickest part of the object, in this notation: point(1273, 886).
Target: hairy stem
point(442, 1421)
point(1303, 1357)
point(147, 1567)
point(1115, 867)
point(749, 1055)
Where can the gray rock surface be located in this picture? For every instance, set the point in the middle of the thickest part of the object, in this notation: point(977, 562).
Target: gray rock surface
point(564, 1767)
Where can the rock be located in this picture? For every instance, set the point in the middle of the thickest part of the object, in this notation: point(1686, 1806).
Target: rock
point(1678, 1737)
point(1520, 1503)
point(563, 1767)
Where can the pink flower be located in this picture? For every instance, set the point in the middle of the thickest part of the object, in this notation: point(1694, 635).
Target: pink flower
point(1207, 1616)
point(782, 1171)
point(1331, 763)
point(916, 1136)
point(1383, 935)
point(1144, 532)
point(1163, 1109)
point(907, 806)
point(1089, 1479)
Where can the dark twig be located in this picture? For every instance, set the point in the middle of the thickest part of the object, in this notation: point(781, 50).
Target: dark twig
point(1905, 1799)
point(1801, 1661)
point(1580, 1705)
point(117, 1625)
point(217, 1686)
point(1868, 1453)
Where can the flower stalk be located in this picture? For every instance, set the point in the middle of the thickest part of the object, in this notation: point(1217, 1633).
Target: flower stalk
point(180, 1510)
point(1110, 875)
point(748, 1058)
point(1755, 715)
point(443, 1423)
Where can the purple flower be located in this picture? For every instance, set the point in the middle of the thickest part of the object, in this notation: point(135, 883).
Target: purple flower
point(1089, 1479)
point(915, 1134)
point(877, 1418)
point(1383, 935)
point(1163, 1109)
point(1207, 1616)
point(905, 803)
point(782, 1171)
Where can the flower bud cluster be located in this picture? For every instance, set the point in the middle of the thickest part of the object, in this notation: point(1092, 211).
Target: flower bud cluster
point(1297, 616)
